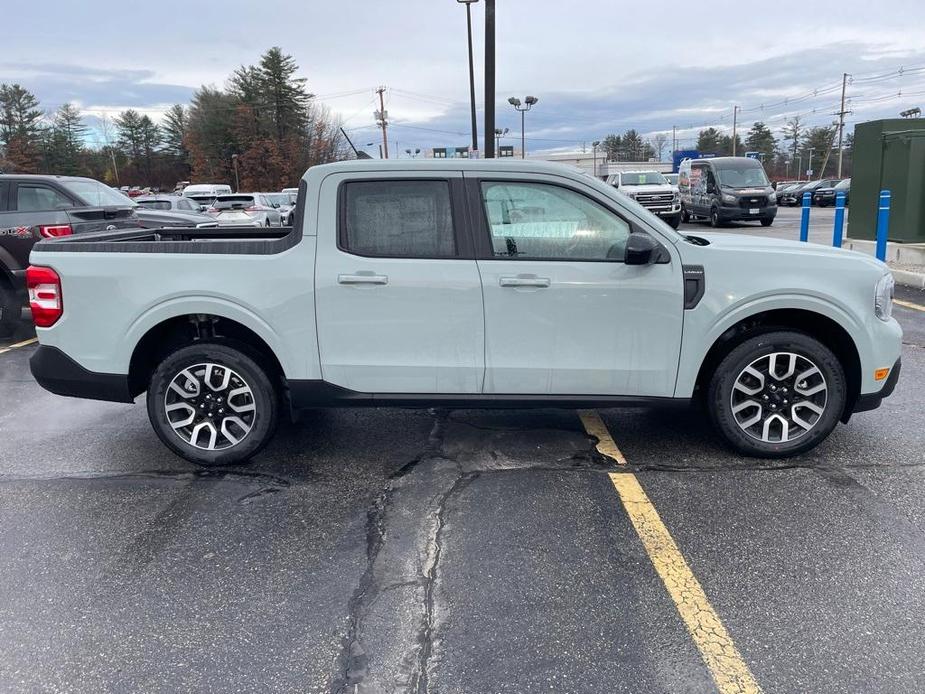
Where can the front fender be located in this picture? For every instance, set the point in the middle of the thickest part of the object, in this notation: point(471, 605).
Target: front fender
point(702, 331)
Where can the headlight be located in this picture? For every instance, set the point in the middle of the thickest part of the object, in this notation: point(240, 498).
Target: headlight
point(772, 197)
point(731, 199)
point(883, 297)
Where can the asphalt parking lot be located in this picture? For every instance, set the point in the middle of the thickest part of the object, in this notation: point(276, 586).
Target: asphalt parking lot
point(461, 551)
point(786, 225)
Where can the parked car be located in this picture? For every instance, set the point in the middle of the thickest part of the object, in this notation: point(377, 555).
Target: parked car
point(651, 190)
point(205, 193)
point(794, 196)
point(245, 209)
point(37, 207)
point(726, 189)
point(783, 188)
point(825, 195)
point(171, 211)
point(284, 204)
point(462, 283)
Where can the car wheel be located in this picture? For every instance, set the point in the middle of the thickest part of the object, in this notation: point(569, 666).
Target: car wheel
point(777, 394)
point(10, 311)
point(714, 218)
point(212, 404)
point(685, 215)
point(675, 221)
point(767, 222)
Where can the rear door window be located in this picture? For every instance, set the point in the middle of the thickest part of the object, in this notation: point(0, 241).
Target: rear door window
point(32, 197)
point(400, 219)
point(4, 187)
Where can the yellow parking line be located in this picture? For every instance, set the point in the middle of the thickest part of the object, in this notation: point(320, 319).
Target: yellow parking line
point(720, 654)
point(17, 345)
point(909, 304)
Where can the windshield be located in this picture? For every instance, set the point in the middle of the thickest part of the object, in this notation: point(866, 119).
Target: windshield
point(95, 193)
point(743, 177)
point(843, 184)
point(642, 178)
point(279, 198)
point(155, 204)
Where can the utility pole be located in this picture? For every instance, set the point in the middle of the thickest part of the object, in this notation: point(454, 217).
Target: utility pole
point(382, 117)
point(841, 119)
point(674, 139)
point(735, 114)
point(475, 132)
point(489, 78)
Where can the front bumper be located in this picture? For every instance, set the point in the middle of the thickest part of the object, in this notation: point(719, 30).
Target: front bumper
point(871, 401)
point(58, 373)
point(738, 214)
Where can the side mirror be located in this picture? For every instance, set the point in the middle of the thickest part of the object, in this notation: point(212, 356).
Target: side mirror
point(640, 249)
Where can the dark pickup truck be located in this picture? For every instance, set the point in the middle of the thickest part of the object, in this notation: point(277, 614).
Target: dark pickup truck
point(33, 208)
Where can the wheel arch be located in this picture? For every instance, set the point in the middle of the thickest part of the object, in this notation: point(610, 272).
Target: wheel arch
point(181, 330)
point(817, 325)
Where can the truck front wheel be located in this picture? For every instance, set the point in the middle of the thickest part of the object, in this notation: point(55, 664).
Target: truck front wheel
point(212, 404)
point(10, 311)
point(777, 394)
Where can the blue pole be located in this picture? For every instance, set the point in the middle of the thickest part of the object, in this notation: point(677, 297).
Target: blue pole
point(804, 221)
point(839, 218)
point(883, 224)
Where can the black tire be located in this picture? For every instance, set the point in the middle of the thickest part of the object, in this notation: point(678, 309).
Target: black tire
point(720, 394)
point(685, 215)
point(714, 218)
point(246, 371)
point(767, 222)
point(10, 311)
point(674, 222)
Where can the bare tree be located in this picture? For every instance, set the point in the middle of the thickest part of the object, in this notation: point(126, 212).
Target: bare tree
point(658, 143)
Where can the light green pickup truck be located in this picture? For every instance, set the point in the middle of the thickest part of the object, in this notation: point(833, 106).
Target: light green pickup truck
point(462, 284)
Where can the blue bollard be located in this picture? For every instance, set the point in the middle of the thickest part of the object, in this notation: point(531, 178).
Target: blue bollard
point(883, 224)
point(804, 222)
point(839, 218)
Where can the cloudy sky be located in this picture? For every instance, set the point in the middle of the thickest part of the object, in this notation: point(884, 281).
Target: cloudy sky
point(597, 66)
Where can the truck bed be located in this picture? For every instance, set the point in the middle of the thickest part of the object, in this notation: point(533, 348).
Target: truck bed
point(236, 240)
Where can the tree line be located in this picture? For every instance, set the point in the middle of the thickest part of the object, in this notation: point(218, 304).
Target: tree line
point(264, 123)
point(799, 149)
point(788, 157)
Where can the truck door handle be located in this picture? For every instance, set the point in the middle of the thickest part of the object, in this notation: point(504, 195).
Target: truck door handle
point(524, 281)
point(362, 279)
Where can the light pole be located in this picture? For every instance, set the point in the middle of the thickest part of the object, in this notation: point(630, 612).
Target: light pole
point(234, 163)
point(523, 108)
point(499, 133)
point(413, 153)
point(475, 133)
point(809, 166)
point(594, 155)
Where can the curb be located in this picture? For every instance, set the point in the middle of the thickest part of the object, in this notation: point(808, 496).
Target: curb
point(909, 279)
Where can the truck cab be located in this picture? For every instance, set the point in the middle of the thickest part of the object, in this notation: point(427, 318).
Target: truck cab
point(651, 190)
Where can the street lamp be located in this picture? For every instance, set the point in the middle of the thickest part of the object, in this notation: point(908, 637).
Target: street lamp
point(809, 166)
point(527, 105)
point(475, 134)
point(234, 163)
point(499, 133)
point(594, 154)
point(413, 153)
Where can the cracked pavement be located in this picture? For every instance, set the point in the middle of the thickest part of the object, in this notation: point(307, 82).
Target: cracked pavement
point(396, 550)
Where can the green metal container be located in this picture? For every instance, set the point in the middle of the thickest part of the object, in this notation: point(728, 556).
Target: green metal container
point(889, 155)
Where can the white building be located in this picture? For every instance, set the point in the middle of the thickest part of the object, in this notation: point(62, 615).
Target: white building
point(587, 160)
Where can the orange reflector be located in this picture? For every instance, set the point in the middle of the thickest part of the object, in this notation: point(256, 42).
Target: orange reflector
point(880, 374)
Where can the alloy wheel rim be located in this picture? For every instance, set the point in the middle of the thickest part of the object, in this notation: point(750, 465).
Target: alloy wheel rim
point(210, 406)
point(779, 397)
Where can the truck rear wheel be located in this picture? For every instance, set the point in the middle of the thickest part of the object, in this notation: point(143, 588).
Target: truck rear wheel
point(777, 394)
point(212, 404)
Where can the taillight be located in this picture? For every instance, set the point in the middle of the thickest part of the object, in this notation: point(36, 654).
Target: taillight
point(45, 297)
point(56, 230)
point(253, 208)
point(212, 210)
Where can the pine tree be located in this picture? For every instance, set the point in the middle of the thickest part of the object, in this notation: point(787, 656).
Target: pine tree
point(708, 141)
point(20, 134)
point(67, 140)
point(761, 139)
